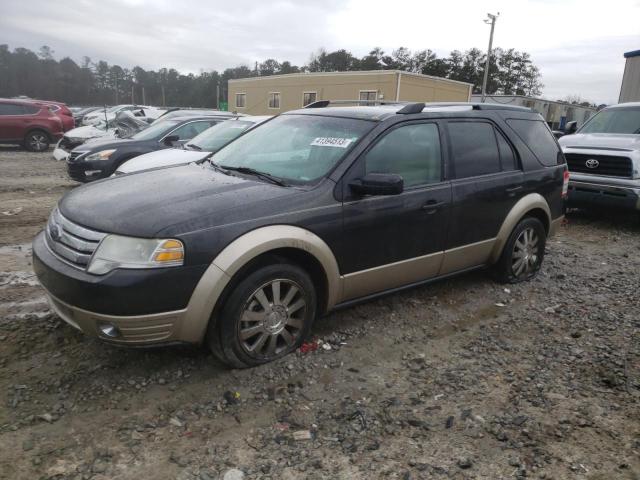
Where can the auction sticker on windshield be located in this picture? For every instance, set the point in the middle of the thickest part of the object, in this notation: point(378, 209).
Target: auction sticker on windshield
point(331, 142)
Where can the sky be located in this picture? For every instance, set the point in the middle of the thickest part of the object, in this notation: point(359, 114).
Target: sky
point(577, 44)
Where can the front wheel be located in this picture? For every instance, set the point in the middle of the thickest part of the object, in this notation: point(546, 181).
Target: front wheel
point(36, 141)
point(523, 253)
point(268, 315)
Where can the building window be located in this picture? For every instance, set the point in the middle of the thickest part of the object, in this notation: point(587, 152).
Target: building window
point(241, 100)
point(274, 100)
point(370, 95)
point(308, 97)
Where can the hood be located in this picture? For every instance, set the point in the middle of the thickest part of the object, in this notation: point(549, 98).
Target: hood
point(162, 158)
point(87, 132)
point(103, 143)
point(170, 201)
point(601, 140)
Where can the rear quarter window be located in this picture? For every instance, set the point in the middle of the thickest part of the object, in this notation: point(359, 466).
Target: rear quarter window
point(31, 109)
point(539, 139)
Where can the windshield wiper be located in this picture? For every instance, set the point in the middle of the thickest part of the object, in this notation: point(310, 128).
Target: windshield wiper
point(252, 171)
point(193, 146)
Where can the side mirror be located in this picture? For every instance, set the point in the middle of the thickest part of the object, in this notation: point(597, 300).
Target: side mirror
point(378, 184)
point(570, 127)
point(168, 141)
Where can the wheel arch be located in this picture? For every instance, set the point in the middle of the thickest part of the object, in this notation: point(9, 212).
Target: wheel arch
point(532, 205)
point(286, 241)
point(37, 128)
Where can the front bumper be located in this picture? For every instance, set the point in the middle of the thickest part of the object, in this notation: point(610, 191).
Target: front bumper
point(133, 330)
point(83, 171)
point(591, 191)
point(146, 307)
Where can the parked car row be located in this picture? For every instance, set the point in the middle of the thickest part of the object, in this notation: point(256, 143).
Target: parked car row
point(292, 217)
point(100, 158)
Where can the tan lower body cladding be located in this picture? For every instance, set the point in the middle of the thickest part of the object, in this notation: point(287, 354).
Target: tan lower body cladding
point(406, 272)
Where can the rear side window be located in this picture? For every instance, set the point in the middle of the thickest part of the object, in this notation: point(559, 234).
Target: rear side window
point(31, 109)
point(474, 148)
point(11, 109)
point(538, 139)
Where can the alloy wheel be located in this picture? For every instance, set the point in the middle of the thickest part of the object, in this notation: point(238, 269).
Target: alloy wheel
point(272, 318)
point(524, 259)
point(38, 142)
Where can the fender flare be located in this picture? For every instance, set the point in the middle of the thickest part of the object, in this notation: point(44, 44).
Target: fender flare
point(525, 205)
point(241, 251)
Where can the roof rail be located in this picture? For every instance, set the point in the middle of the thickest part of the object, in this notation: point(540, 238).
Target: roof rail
point(326, 103)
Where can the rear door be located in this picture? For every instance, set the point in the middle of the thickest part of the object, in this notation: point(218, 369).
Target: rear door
point(394, 240)
point(13, 121)
point(487, 183)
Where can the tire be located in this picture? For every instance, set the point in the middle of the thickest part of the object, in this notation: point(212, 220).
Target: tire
point(523, 253)
point(37, 141)
point(268, 315)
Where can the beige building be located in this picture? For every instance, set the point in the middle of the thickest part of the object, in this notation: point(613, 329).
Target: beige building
point(630, 90)
point(279, 93)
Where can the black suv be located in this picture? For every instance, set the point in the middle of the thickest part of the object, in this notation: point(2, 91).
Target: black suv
point(98, 159)
point(316, 209)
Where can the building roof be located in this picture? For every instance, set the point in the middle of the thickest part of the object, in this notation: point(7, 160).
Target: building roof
point(537, 99)
point(633, 53)
point(350, 72)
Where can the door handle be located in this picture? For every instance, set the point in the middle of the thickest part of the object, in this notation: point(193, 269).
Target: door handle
point(432, 206)
point(512, 191)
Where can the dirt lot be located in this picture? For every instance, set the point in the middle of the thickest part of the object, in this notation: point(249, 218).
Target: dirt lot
point(462, 379)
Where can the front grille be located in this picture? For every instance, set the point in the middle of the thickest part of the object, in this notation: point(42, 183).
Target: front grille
point(609, 165)
point(72, 243)
point(73, 156)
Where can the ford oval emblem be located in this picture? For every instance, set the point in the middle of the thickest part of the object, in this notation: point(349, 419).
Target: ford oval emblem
point(592, 163)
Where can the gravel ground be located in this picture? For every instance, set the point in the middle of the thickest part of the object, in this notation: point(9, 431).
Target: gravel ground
point(462, 379)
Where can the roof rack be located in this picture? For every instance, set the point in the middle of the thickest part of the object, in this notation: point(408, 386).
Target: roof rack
point(326, 103)
point(408, 108)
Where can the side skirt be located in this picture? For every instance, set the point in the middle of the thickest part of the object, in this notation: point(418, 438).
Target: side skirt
point(356, 301)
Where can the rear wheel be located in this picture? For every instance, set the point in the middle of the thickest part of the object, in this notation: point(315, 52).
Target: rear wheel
point(268, 315)
point(523, 253)
point(36, 141)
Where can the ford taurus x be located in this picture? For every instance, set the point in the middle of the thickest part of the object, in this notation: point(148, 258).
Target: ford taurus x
point(315, 209)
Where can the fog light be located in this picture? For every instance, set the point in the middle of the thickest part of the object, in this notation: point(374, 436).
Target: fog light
point(109, 330)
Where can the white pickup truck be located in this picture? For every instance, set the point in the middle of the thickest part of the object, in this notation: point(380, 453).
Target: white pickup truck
point(604, 159)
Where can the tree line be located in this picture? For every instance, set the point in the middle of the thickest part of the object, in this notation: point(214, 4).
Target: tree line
point(40, 75)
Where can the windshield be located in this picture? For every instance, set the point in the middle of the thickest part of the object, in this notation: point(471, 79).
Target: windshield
point(154, 130)
point(216, 137)
point(297, 148)
point(616, 120)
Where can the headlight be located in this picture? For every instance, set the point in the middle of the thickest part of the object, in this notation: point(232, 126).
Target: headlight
point(102, 155)
point(116, 251)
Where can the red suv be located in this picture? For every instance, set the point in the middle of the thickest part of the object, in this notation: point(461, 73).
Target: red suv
point(32, 125)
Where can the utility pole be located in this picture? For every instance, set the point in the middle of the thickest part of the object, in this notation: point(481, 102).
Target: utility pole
point(491, 19)
point(144, 99)
point(117, 103)
point(164, 103)
point(133, 100)
point(218, 95)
